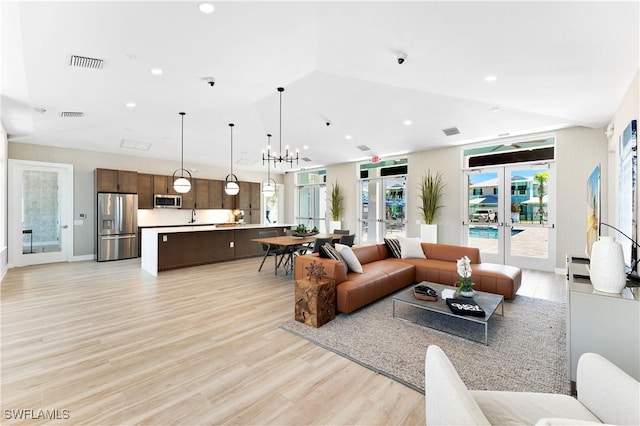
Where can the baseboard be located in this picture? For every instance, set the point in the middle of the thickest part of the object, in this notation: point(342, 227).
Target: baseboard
point(4, 267)
point(83, 258)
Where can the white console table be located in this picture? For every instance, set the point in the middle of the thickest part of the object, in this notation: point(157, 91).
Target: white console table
point(604, 323)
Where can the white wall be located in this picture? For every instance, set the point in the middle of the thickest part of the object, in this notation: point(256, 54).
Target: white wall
point(4, 258)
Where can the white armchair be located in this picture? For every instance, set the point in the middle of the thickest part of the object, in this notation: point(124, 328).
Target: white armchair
point(605, 394)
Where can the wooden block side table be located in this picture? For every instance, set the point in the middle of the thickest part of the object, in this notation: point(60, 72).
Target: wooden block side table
point(315, 302)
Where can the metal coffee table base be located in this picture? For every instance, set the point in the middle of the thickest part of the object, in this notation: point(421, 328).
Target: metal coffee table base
point(488, 302)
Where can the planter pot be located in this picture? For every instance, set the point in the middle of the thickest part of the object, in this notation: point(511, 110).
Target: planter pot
point(606, 269)
point(334, 224)
point(429, 233)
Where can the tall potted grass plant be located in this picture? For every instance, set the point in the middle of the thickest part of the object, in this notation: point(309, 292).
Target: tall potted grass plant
point(431, 192)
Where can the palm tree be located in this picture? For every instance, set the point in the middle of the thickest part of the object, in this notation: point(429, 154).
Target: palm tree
point(541, 178)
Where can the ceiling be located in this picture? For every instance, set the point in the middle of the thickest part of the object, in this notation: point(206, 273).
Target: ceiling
point(557, 64)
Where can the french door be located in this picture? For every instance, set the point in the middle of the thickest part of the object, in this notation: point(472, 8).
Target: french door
point(312, 205)
point(40, 212)
point(383, 208)
point(510, 214)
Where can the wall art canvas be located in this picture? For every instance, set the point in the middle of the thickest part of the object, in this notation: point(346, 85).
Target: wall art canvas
point(593, 208)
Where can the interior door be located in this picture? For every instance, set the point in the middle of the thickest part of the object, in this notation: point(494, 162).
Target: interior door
point(40, 213)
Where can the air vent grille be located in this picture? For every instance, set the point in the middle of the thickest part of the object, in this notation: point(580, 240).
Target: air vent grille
point(451, 131)
point(306, 159)
point(86, 62)
point(71, 114)
point(130, 144)
point(363, 148)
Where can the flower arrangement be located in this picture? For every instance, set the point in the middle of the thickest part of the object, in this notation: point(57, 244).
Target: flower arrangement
point(464, 270)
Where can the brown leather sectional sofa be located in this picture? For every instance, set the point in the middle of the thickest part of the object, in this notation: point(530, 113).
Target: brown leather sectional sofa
point(384, 274)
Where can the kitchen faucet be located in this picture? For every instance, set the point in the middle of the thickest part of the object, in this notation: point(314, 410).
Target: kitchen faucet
point(193, 216)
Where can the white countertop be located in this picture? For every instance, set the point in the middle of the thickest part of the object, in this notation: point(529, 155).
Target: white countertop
point(197, 228)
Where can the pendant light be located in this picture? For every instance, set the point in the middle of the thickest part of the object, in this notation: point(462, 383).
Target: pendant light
point(269, 186)
point(231, 186)
point(278, 157)
point(181, 184)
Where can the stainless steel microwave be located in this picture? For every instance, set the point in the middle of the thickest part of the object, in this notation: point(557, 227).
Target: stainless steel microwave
point(165, 201)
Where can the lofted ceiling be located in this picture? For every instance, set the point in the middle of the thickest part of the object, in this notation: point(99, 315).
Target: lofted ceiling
point(557, 64)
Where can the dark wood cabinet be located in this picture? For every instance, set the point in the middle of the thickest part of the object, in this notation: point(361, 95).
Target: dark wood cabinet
point(189, 198)
point(229, 202)
point(145, 191)
point(201, 193)
point(178, 250)
point(249, 196)
point(123, 181)
point(215, 194)
point(163, 185)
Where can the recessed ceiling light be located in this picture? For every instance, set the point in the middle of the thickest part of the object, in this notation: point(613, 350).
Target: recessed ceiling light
point(156, 71)
point(305, 147)
point(131, 104)
point(408, 122)
point(495, 109)
point(348, 137)
point(206, 7)
point(490, 78)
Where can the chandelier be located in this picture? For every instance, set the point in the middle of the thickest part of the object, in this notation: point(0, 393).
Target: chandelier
point(182, 185)
point(269, 185)
point(280, 156)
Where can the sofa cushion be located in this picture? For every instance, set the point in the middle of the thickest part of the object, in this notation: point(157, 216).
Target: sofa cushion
point(411, 248)
point(349, 258)
point(370, 253)
point(394, 247)
point(360, 289)
point(519, 408)
point(329, 252)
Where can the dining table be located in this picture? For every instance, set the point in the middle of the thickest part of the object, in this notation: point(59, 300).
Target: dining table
point(290, 245)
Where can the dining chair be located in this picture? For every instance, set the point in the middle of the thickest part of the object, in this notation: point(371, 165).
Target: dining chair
point(270, 250)
point(347, 240)
point(341, 231)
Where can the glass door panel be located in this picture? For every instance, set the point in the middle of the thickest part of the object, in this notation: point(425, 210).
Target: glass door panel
point(312, 206)
point(395, 207)
point(483, 225)
point(40, 212)
point(531, 216)
point(383, 208)
point(369, 218)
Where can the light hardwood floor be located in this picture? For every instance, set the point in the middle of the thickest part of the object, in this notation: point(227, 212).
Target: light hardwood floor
point(114, 345)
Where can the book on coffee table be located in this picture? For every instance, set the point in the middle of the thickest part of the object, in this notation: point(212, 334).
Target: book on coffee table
point(465, 307)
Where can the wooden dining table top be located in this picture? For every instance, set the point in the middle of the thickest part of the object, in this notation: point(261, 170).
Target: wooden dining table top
point(292, 240)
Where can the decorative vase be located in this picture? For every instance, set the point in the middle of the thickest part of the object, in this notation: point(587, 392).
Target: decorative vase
point(467, 293)
point(606, 269)
point(429, 233)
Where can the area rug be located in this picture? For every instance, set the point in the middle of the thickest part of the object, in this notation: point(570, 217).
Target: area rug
point(526, 348)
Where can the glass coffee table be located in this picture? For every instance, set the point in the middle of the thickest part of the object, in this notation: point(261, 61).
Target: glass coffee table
point(437, 315)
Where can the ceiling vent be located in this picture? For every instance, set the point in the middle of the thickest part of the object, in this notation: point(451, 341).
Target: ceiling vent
point(85, 62)
point(363, 148)
point(130, 144)
point(71, 114)
point(451, 131)
point(306, 159)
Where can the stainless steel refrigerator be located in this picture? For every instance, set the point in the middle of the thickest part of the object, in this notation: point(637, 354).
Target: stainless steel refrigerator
point(117, 226)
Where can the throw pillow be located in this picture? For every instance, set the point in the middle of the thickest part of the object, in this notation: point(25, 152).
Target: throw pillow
point(411, 248)
point(394, 247)
point(353, 264)
point(329, 252)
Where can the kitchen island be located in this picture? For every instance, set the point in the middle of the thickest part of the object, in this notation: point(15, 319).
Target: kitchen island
point(165, 248)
